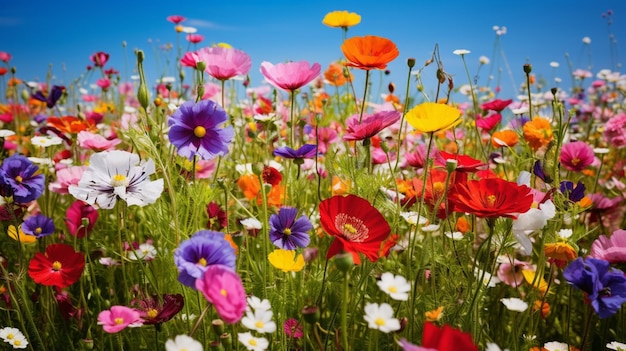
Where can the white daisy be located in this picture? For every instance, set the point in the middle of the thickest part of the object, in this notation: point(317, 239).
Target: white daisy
point(556, 346)
point(616, 346)
point(183, 343)
point(515, 304)
point(381, 317)
point(14, 337)
point(260, 321)
point(395, 286)
point(117, 174)
point(253, 343)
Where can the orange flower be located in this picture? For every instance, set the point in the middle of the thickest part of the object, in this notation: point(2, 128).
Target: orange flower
point(462, 225)
point(561, 251)
point(369, 52)
point(339, 186)
point(275, 197)
point(585, 202)
point(505, 137)
point(250, 185)
point(434, 315)
point(70, 124)
point(335, 75)
point(232, 243)
point(538, 133)
point(543, 306)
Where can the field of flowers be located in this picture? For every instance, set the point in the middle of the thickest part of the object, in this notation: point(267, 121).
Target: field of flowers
point(210, 212)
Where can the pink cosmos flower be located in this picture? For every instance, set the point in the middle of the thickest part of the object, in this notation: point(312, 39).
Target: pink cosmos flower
point(489, 122)
point(194, 38)
point(66, 177)
point(511, 274)
point(293, 328)
point(223, 288)
point(417, 158)
point(96, 142)
point(225, 63)
point(611, 248)
point(176, 19)
point(80, 218)
point(326, 136)
point(99, 59)
point(5, 56)
point(615, 130)
point(118, 318)
point(104, 83)
point(290, 76)
point(370, 124)
point(576, 156)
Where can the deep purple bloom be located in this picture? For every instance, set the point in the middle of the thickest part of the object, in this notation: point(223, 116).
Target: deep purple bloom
point(540, 173)
point(574, 194)
point(22, 176)
point(38, 225)
point(196, 254)
point(52, 98)
point(195, 130)
point(288, 232)
point(605, 287)
point(305, 151)
point(155, 310)
point(370, 125)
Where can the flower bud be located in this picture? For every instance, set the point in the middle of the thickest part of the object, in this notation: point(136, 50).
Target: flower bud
point(528, 68)
point(344, 261)
point(201, 66)
point(216, 345)
point(410, 62)
point(311, 314)
point(226, 340)
point(218, 326)
point(391, 87)
point(451, 165)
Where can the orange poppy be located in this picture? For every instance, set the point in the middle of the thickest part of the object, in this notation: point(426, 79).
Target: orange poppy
point(434, 315)
point(250, 185)
point(70, 124)
point(369, 52)
point(505, 137)
point(340, 186)
point(336, 75)
point(462, 225)
point(538, 133)
point(544, 307)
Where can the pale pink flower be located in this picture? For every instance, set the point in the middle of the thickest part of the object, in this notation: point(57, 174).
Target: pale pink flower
point(511, 274)
point(611, 248)
point(223, 288)
point(615, 130)
point(290, 76)
point(225, 63)
point(118, 318)
point(5, 56)
point(66, 177)
point(96, 142)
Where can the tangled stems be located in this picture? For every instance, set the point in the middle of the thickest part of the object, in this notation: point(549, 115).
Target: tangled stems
point(410, 63)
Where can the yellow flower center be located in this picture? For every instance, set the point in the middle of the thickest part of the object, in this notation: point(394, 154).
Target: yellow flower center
point(56, 266)
point(10, 336)
point(491, 200)
point(349, 228)
point(575, 161)
point(287, 231)
point(18, 179)
point(119, 320)
point(202, 261)
point(17, 343)
point(438, 187)
point(199, 131)
point(38, 230)
point(118, 180)
point(252, 342)
point(393, 289)
point(152, 313)
point(259, 324)
point(379, 321)
point(223, 292)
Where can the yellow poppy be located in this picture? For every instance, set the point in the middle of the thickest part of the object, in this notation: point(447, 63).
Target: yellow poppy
point(431, 117)
point(286, 260)
point(341, 19)
point(24, 238)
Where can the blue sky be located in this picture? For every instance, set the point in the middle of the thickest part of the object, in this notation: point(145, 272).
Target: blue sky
point(62, 35)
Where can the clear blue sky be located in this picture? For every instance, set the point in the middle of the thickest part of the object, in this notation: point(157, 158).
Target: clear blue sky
point(66, 33)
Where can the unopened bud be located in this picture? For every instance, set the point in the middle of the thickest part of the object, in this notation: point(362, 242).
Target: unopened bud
point(311, 314)
point(428, 62)
point(528, 68)
point(201, 66)
point(451, 165)
point(554, 91)
point(391, 87)
point(410, 62)
point(140, 55)
point(344, 261)
point(218, 326)
point(226, 340)
point(441, 76)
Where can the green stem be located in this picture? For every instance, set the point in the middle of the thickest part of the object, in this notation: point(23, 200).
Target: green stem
point(344, 313)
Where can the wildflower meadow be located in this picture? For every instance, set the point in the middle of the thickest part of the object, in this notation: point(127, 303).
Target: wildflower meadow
point(208, 211)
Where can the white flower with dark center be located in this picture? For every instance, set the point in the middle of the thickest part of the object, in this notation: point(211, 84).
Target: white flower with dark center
point(117, 174)
point(381, 317)
point(395, 286)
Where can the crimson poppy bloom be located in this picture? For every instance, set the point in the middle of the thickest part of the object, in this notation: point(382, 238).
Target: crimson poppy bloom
point(446, 338)
point(491, 198)
point(357, 226)
point(60, 266)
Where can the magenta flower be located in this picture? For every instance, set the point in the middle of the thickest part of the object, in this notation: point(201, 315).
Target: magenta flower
point(489, 122)
point(290, 76)
point(118, 318)
point(576, 156)
point(370, 125)
point(496, 105)
point(222, 287)
point(225, 63)
point(5, 56)
point(80, 218)
point(615, 130)
point(176, 19)
point(611, 248)
point(293, 328)
point(194, 38)
point(99, 59)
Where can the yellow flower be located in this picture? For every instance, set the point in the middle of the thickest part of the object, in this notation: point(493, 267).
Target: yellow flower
point(286, 260)
point(431, 117)
point(434, 315)
point(27, 239)
point(540, 283)
point(341, 19)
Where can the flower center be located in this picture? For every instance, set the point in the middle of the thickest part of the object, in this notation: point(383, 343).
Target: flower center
point(438, 187)
point(491, 200)
point(38, 230)
point(259, 324)
point(223, 292)
point(351, 228)
point(252, 342)
point(19, 179)
point(202, 261)
point(17, 343)
point(152, 313)
point(199, 131)
point(119, 320)
point(118, 180)
point(287, 231)
point(10, 336)
point(56, 266)
point(575, 161)
point(393, 289)
point(379, 321)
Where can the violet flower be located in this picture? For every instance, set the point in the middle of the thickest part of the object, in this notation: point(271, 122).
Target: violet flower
point(38, 226)
point(22, 176)
point(288, 232)
point(305, 151)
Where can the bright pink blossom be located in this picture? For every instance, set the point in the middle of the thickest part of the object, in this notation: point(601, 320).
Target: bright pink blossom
point(615, 130)
point(96, 142)
point(489, 122)
point(194, 38)
point(223, 288)
point(176, 19)
point(118, 318)
point(5, 56)
point(496, 105)
point(576, 156)
point(370, 125)
point(225, 63)
point(99, 59)
point(610, 248)
point(290, 76)
point(80, 218)
point(104, 83)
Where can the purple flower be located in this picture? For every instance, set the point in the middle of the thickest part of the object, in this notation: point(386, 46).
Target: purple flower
point(52, 98)
point(574, 194)
point(576, 156)
point(605, 287)
point(196, 254)
point(370, 125)
point(305, 151)
point(22, 176)
point(38, 225)
point(287, 232)
point(194, 130)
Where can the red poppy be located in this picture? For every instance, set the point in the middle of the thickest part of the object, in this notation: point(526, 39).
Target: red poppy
point(357, 226)
point(465, 163)
point(271, 175)
point(496, 105)
point(491, 198)
point(60, 266)
point(446, 339)
point(435, 192)
point(77, 215)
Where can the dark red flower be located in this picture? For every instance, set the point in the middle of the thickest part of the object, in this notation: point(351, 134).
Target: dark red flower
point(496, 105)
point(154, 310)
point(80, 218)
point(357, 226)
point(271, 176)
point(491, 198)
point(465, 163)
point(446, 339)
point(218, 218)
point(60, 266)
point(489, 122)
